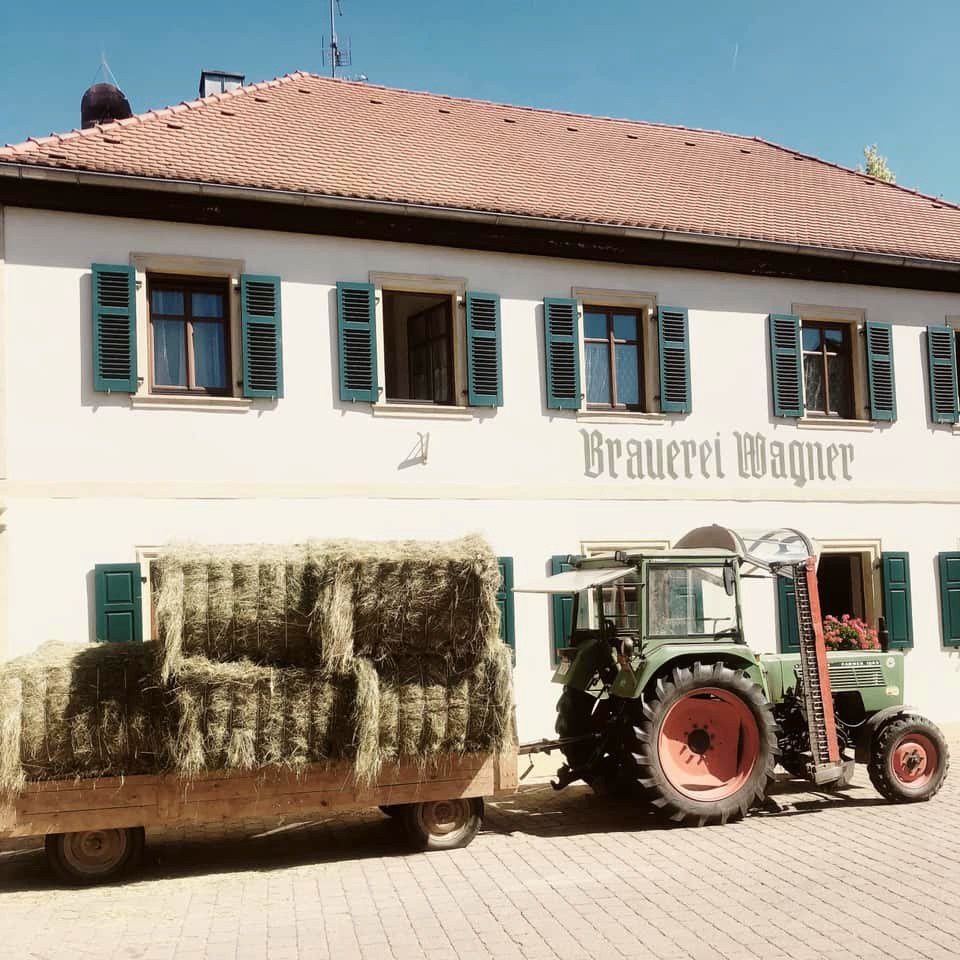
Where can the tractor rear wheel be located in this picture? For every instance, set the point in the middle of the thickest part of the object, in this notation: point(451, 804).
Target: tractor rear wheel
point(578, 714)
point(706, 746)
point(909, 760)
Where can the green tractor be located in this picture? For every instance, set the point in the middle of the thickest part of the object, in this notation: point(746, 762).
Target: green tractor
point(662, 694)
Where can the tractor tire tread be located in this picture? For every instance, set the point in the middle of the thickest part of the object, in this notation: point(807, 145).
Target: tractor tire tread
point(883, 740)
point(659, 794)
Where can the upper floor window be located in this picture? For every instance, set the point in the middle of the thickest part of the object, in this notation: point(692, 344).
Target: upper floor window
point(827, 369)
point(831, 363)
point(616, 351)
point(408, 342)
point(419, 347)
point(173, 330)
point(614, 357)
point(189, 335)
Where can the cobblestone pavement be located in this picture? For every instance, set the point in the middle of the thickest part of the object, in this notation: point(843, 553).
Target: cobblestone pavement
point(553, 875)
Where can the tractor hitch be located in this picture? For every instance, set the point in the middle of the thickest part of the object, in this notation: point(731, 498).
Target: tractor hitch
point(548, 746)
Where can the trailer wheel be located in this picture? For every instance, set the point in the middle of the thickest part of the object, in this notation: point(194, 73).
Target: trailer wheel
point(442, 824)
point(94, 856)
point(909, 760)
point(707, 745)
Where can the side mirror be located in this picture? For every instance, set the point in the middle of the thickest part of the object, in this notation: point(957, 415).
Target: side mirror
point(729, 579)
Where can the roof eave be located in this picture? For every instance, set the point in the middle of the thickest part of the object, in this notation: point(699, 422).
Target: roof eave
point(300, 198)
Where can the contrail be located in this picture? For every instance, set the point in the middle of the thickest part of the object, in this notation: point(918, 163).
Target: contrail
point(736, 53)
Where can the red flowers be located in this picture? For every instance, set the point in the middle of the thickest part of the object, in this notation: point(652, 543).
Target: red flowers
point(849, 633)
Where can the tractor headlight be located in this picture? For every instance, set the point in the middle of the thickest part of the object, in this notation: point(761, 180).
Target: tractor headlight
point(626, 647)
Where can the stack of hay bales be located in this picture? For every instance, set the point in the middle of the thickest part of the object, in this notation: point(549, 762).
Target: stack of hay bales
point(332, 650)
point(276, 656)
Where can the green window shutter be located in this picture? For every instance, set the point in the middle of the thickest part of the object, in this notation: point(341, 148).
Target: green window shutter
point(562, 604)
point(674, 345)
point(505, 602)
point(484, 367)
point(949, 566)
point(114, 328)
point(357, 336)
point(118, 602)
point(261, 341)
point(897, 606)
point(785, 365)
point(562, 347)
point(787, 616)
point(881, 383)
point(942, 368)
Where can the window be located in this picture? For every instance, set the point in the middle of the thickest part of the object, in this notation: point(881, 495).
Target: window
point(827, 369)
point(614, 353)
point(840, 580)
point(614, 357)
point(689, 602)
point(189, 335)
point(831, 364)
point(419, 347)
point(620, 605)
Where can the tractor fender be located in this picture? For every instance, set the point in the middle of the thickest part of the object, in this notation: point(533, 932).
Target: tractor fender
point(866, 733)
point(670, 655)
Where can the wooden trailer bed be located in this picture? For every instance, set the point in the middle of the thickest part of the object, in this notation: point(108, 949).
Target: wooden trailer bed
point(112, 805)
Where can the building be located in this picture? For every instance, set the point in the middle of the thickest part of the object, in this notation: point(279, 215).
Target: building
point(311, 307)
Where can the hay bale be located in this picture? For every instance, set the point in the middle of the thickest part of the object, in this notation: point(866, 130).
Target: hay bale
point(229, 603)
point(87, 710)
point(11, 716)
point(328, 602)
point(407, 598)
point(242, 716)
point(427, 712)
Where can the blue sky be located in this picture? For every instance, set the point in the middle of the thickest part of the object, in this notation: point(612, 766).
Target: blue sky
point(822, 77)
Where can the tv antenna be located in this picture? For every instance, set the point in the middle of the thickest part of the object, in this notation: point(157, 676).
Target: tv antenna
point(339, 56)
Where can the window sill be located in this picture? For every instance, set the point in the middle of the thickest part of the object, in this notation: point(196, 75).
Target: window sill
point(831, 423)
point(421, 411)
point(621, 416)
point(165, 402)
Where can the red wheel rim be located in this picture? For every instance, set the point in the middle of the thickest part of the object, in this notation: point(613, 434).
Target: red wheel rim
point(708, 744)
point(914, 760)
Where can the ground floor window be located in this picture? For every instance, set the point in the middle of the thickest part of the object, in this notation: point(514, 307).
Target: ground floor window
point(840, 579)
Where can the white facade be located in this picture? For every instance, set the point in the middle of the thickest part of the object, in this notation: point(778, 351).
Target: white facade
point(93, 478)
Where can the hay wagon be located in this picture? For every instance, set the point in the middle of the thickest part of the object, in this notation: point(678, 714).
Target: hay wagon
point(94, 828)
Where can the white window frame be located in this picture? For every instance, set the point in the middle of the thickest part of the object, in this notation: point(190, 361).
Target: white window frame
point(869, 551)
point(456, 289)
point(633, 300)
point(854, 318)
point(145, 557)
point(164, 264)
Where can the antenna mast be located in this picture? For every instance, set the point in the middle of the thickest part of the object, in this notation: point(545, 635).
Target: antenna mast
point(338, 57)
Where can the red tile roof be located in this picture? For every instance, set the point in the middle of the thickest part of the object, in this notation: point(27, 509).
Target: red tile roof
point(315, 135)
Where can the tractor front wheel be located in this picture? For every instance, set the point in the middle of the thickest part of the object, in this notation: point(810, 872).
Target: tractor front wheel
point(706, 746)
point(908, 760)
